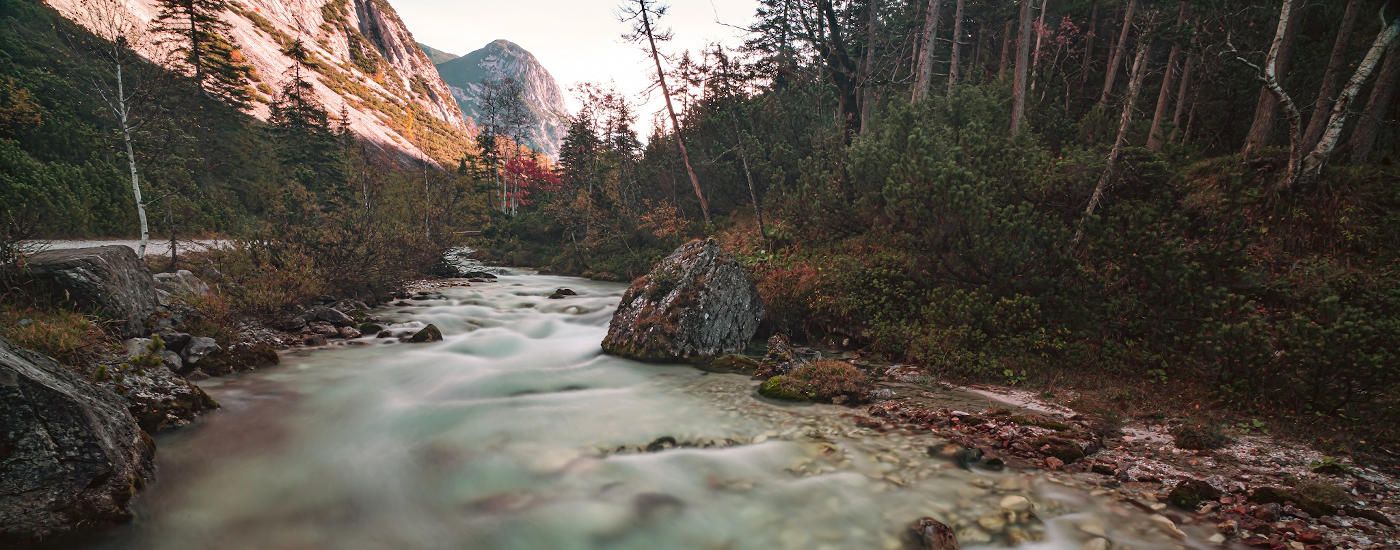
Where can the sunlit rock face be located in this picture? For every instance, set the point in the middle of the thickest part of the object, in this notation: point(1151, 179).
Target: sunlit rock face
point(363, 60)
point(501, 59)
point(697, 303)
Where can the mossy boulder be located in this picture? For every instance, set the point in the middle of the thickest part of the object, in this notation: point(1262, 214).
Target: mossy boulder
point(822, 381)
point(697, 303)
point(732, 363)
point(1190, 493)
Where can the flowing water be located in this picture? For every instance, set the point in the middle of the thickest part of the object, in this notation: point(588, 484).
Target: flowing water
point(516, 432)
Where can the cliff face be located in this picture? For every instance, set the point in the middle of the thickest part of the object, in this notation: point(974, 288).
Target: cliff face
point(363, 60)
point(468, 74)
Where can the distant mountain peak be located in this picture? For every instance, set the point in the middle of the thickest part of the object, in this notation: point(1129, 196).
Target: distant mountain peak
point(466, 77)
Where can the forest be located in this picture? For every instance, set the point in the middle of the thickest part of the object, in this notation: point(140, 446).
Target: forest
point(1189, 197)
point(1183, 202)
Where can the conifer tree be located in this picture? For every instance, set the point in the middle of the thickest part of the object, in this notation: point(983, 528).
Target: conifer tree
point(200, 35)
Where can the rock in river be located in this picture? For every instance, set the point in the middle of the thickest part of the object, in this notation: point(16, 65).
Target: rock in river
point(697, 303)
point(71, 455)
point(106, 280)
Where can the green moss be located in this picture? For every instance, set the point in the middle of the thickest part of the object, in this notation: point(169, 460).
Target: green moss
point(781, 387)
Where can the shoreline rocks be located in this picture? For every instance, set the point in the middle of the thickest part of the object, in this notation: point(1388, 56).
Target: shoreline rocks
point(73, 456)
point(696, 304)
point(106, 280)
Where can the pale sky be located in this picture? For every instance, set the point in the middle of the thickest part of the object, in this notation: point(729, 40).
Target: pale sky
point(576, 40)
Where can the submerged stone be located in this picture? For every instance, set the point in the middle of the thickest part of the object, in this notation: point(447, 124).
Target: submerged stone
point(696, 304)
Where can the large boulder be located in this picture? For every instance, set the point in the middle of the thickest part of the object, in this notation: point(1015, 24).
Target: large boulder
point(107, 280)
point(71, 456)
point(697, 303)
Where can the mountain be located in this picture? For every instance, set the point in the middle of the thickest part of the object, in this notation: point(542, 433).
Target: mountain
point(435, 55)
point(466, 76)
point(362, 60)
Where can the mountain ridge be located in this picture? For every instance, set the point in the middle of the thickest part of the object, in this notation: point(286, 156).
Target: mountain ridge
point(363, 61)
point(466, 76)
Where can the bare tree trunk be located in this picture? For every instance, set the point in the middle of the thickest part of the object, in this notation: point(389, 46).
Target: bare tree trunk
point(1116, 56)
point(1135, 79)
point(1363, 138)
point(135, 178)
point(978, 65)
point(1093, 30)
point(748, 177)
point(867, 101)
point(1266, 111)
point(1312, 165)
point(927, 45)
point(1330, 79)
point(1164, 94)
point(671, 111)
point(1039, 28)
point(955, 57)
point(1023, 54)
point(1005, 50)
point(1181, 92)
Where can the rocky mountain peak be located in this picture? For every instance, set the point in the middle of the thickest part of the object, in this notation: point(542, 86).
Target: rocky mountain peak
point(467, 75)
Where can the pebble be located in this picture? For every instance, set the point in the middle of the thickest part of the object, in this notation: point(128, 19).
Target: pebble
point(1098, 543)
point(1217, 539)
point(1018, 503)
point(1168, 526)
point(992, 522)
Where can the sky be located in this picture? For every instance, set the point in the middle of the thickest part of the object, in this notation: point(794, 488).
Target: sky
point(576, 40)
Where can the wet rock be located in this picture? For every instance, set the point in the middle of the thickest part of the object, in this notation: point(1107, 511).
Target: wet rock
point(1062, 449)
point(329, 315)
point(73, 456)
point(238, 357)
point(370, 328)
point(780, 358)
point(880, 394)
point(109, 281)
point(1190, 493)
point(1014, 503)
point(172, 361)
point(732, 363)
point(562, 293)
point(323, 328)
point(156, 396)
point(199, 348)
point(836, 382)
point(661, 443)
point(429, 333)
point(385, 334)
point(650, 505)
point(349, 333)
point(315, 340)
point(697, 303)
point(930, 534)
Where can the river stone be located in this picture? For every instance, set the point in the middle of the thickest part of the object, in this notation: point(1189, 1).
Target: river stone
point(71, 455)
point(199, 348)
point(931, 534)
point(181, 283)
point(329, 315)
point(429, 333)
point(697, 303)
point(107, 280)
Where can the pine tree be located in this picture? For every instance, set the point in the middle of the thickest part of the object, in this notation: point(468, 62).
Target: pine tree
point(307, 144)
point(200, 36)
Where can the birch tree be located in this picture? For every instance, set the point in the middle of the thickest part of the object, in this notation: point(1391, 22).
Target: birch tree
point(1363, 138)
point(1125, 120)
point(1312, 165)
point(643, 13)
point(1336, 63)
point(117, 92)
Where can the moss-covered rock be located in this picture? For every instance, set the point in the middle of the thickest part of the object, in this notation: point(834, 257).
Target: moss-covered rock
point(1190, 493)
point(732, 363)
point(1199, 437)
point(823, 381)
point(697, 303)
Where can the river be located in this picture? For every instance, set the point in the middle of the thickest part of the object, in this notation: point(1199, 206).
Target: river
point(517, 432)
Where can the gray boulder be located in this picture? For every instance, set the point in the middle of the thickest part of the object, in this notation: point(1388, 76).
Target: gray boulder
point(429, 333)
point(71, 456)
point(107, 280)
point(179, 284)
point(199, 348)
point(698, 303)
point(329, 315)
